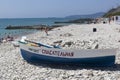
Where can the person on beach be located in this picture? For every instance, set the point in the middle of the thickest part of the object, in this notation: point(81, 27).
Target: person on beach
point(9, 38)
point(109, 20)
point(46, 31)
point(113, 18)
point(116, 18)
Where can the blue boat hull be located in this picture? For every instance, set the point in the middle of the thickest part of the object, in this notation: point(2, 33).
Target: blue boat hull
point(96, 61)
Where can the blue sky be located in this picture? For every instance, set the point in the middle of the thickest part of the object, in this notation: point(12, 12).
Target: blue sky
point(53, 8)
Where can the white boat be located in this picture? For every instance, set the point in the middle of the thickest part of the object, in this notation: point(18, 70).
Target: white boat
point(41, 53)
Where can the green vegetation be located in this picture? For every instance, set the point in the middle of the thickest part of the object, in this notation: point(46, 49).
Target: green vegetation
point(113, 12)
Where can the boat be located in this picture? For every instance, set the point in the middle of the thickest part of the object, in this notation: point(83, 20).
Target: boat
point(40, 53)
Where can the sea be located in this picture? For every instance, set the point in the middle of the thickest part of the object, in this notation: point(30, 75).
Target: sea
point(4, 22)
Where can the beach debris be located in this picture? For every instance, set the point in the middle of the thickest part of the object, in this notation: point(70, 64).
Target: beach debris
point(68, 44)
point(96, 47)
point(66, 35)
point(118, 40)
point(94, 29)
point(81, 44)
point(57, 43)
point(60, 41)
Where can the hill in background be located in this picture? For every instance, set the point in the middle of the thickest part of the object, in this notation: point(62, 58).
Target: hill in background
point(112, 12)
point(96, 15)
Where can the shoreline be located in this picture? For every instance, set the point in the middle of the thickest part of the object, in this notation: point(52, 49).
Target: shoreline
point(24, 30)
point(73, 36)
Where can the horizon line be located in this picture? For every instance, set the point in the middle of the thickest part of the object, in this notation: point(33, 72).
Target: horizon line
point(50, 17)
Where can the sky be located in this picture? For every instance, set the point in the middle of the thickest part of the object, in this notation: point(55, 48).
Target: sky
point(53, 8)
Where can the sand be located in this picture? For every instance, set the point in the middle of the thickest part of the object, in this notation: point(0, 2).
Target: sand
point(13, 67)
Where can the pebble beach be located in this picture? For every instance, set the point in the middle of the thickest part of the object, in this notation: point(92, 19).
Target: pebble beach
point(106, 36)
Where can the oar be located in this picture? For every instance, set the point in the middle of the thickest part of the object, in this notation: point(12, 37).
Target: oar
point(48, 46)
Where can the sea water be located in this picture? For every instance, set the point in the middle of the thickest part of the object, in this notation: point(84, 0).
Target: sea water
point(24, 22)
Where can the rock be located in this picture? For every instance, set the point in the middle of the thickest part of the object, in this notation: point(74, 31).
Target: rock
point(96, 47)
point(60, 41)
point(68, 44)
point(119, 41)
point(67, 35)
